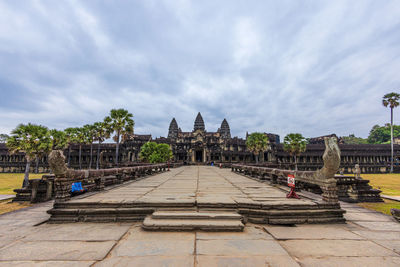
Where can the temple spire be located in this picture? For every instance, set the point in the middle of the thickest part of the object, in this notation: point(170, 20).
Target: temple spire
point(173, 129)
point(199, 123)
point(225, 130)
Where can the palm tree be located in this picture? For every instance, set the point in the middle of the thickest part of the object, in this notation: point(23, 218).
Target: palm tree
point(81, 138)
point(257, 143)
point(3, 138)
point(121, 123)
point(101, 133)
point(391, 100)
point(90, 131)
point(295, 144)
point(72, 138)
point(33, 140)
point(59, 139)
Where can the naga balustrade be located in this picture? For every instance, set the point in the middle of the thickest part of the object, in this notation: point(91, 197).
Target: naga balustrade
point(324, 177)
point(93, 180)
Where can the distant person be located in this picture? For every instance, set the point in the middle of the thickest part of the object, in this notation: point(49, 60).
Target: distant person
point(77, 189)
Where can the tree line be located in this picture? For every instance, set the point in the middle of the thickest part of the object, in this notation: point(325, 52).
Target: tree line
point(36, 141)
point(293, 143)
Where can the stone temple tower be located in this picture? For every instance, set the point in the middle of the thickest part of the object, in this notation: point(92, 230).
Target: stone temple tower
point(225, 130)
point(173, 129)
point(199, 123)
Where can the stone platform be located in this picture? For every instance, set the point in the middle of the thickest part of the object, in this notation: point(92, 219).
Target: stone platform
point(199, 189)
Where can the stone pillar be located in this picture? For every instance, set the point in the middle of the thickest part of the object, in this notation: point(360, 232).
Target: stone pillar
point(62, 187)
point(330, 192)
point(34, 186)
point(49, 189)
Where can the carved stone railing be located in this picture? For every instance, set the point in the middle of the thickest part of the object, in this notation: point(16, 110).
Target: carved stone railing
point(94, 179)
point(324, 177)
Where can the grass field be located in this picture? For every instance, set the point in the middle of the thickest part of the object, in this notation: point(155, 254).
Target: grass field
point(7, 206)
point(11, 181)
point(388, 183)
point(382, 207)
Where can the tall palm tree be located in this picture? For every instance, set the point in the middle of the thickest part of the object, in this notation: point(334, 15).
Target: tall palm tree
point(81, 139)
point(90, 131)
point(72, 138)
point(31, 139)
point(295, 144)
point(257, 143)
point(101, 133)
point(59, 139)
point(121, 123)
point(3, 138)
point(391, 100)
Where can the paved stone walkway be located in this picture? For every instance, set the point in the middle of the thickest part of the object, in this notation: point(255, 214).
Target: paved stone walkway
point(368, 239)
point(195, 184)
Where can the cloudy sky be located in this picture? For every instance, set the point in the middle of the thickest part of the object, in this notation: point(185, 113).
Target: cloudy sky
point(314, 67)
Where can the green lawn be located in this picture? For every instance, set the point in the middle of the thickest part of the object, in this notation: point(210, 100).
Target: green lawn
point(388, 183)
point(382, 207)
point(11, 181)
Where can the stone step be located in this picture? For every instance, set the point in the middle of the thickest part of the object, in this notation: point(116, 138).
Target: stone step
point(188, 215)
point(217, 225)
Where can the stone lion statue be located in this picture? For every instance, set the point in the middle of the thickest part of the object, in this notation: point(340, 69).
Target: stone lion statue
point(57, 163)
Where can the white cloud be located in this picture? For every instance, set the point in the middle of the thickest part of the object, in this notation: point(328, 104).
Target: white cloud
point(313, 68)
point(246, 42)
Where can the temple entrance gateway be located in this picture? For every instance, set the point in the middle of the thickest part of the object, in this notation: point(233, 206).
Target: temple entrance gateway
point(199, 156)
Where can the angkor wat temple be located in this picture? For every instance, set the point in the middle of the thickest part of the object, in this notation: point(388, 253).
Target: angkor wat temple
point(203, 147)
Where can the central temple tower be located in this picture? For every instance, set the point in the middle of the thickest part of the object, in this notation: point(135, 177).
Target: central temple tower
point(199, 123)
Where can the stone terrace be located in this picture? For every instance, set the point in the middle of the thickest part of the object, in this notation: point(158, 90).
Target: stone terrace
point(196, 187)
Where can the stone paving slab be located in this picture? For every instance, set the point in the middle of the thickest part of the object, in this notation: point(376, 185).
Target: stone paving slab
point(368, 216)
point(311, 232)
point(249, 233)
point(245, 261)
point(132, 248)
point(334, 248)
point(79, 232)
point(46, 263)
point(393, 245)
point(395, 198)
point(148, 261)
point(383, 226)
point(3, 197)
point(378, 235)
point(238, 247)
point(56, 250)
point(351, 261)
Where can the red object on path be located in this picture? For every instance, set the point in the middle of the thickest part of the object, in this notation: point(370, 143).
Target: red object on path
point(292, 185)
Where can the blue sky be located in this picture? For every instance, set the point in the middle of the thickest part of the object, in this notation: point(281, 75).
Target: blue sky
point(314, 67)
